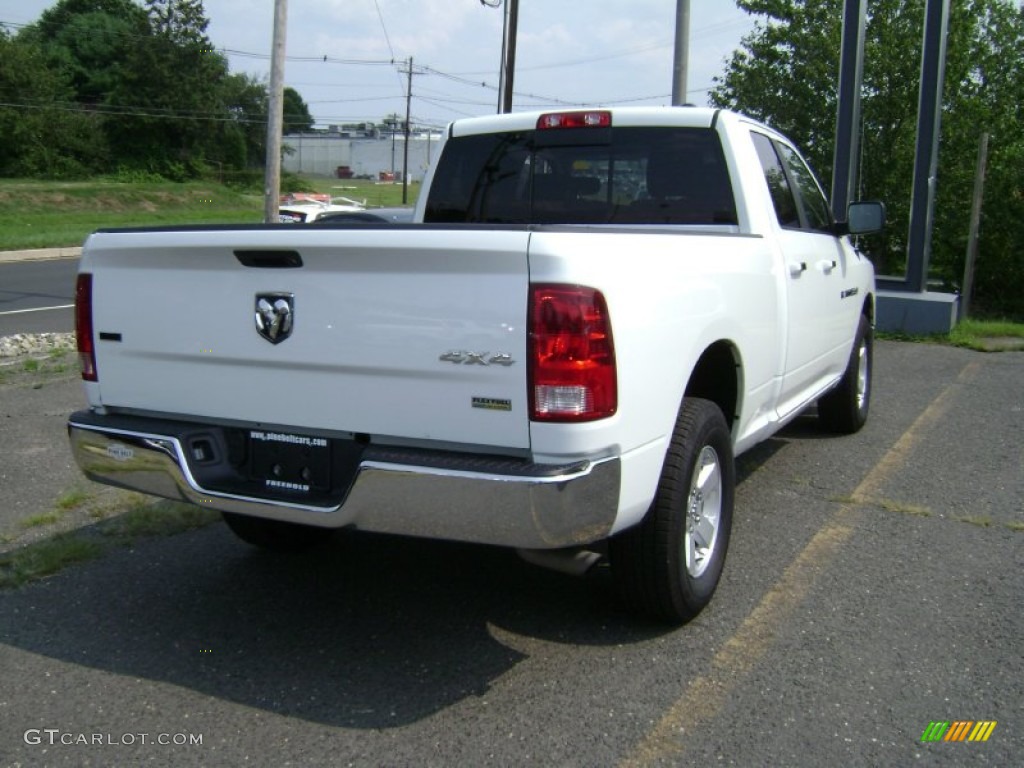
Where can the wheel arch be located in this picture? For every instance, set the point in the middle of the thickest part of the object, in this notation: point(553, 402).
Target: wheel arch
point(868, 310)
point(717, 377)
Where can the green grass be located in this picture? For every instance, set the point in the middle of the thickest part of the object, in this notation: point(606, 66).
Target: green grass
point(992, 328)
point(981, 335)
point(978, 334)
point(46, 557)
point(982, 521)
point(54, 554)
point(45, 214)
point(36, 372)
point(44, 518)
point(161, 519)
point(904, 509)
point(896, 507)
point(52, 214)
point(72, 499)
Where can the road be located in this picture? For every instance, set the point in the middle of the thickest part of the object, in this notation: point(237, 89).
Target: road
point(37, 296)
point(873, 586)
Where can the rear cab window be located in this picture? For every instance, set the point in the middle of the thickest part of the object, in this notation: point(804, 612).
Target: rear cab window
point(613, 175)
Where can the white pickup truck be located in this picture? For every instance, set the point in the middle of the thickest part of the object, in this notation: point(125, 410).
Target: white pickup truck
point(591, 314)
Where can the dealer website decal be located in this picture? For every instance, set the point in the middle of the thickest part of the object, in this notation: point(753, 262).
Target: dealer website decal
point(958, 730)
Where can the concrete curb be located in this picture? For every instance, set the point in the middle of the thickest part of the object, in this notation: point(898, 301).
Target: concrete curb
point(41, 254)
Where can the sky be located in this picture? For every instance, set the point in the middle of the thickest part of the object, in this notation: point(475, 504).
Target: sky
point(348, 58)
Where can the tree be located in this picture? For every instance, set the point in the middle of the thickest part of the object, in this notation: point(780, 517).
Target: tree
point(786, 74)
point(183, 22)
point(44, 133)
point(149, 75)
point(169, 95)
point(245, 99)
point(296, 114)
point(89, 40)
point(101, 84)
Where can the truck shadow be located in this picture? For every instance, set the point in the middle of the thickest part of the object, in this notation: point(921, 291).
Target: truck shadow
point(366, 632)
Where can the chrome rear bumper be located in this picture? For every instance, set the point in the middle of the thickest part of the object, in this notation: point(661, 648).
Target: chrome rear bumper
point(497, 501)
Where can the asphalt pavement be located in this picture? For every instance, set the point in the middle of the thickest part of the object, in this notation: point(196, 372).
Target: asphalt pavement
point(873, 587)
point(37, 291)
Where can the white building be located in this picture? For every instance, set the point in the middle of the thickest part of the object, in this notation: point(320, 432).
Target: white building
point(322, 153)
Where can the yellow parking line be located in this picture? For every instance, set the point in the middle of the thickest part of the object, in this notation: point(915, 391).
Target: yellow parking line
point(897, 456)
point(705, 695)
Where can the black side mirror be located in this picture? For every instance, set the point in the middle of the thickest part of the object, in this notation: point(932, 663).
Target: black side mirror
point(865, 218)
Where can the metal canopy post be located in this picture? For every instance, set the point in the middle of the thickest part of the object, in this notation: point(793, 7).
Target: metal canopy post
point(929, 117)
point(851, 75)
point(906, 304)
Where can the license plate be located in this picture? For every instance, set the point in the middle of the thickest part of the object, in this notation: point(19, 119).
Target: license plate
point(290, 462)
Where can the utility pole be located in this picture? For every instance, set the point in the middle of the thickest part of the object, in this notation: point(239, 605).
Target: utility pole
point(682, 53)
point(972, 237)
point(275, 115)
point(405, 158)
point(509, 48)
point(392, 122)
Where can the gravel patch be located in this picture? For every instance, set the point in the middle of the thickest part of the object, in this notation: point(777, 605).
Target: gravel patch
point(35, 344)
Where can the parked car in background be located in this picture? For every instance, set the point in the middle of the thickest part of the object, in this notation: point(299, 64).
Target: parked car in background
point(370, 215)
point(305, 208)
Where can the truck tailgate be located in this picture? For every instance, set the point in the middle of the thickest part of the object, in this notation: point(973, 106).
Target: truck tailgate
point(409, 333)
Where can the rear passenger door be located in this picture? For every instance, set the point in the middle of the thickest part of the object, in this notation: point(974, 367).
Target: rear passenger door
point(818, 335)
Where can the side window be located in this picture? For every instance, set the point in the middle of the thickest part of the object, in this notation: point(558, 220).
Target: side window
point(778, 183)
point(814, 204)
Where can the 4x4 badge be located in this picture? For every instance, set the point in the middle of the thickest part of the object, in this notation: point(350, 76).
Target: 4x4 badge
point(275, 315)
point(461, 357)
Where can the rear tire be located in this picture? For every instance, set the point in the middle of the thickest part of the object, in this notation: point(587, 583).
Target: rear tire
point(668, 567)
point(275, 535)
point(845, 409)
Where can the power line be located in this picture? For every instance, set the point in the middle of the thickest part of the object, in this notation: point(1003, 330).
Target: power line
point(450, 109)
point(387, 39)
point(383, 26)
point(351, 101)
point(474, 83)
point(154, 113)
point(704, 31)
point(309, 59)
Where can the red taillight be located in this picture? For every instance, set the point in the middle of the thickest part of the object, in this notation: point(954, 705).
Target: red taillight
point(571, 357)
point(83, 327)
point(589, 119)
